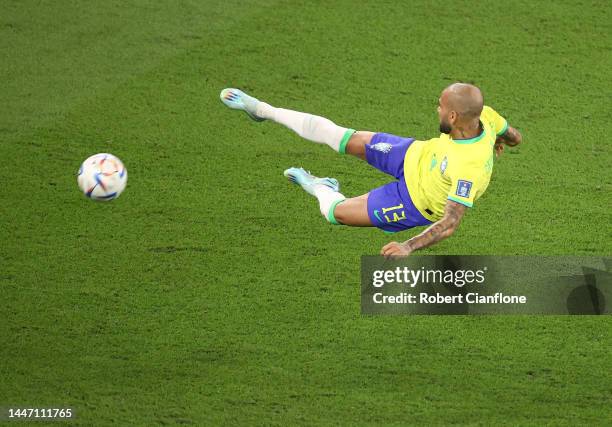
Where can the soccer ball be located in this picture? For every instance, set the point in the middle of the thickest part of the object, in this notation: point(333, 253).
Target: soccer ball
point(102, 177)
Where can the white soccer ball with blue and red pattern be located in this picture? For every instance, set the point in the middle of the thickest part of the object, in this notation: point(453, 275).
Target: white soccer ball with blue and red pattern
point(102, 177)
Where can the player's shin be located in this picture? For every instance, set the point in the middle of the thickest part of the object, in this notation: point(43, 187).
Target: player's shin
point(313, 128)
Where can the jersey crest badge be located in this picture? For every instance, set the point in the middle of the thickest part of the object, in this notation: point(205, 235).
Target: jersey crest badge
point(464, 188)
point(443, 165)
point(383, 147)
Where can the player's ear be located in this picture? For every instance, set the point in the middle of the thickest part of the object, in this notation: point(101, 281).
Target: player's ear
point(452, 117)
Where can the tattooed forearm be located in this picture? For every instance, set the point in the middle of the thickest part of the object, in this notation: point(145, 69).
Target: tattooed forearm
point(511, 137)
point(439, 230)
point(432, 235)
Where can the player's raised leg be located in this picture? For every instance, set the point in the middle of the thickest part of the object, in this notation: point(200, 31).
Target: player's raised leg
point(334, 207)
point(356, 145)
point(313, 128)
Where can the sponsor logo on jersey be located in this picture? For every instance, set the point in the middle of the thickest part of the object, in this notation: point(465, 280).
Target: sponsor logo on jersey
point(433, 163)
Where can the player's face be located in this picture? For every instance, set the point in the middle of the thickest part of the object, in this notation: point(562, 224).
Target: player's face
point(443, 114)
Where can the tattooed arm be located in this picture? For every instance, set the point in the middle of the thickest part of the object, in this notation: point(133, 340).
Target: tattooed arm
point(511, 137)
point(439, 230)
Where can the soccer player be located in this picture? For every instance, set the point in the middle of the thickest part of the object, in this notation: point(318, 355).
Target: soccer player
point(435, 180)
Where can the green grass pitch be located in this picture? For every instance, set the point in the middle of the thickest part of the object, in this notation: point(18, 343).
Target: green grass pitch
point(212, 292)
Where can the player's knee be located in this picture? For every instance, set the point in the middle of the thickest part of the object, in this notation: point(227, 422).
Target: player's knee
point(357, 142)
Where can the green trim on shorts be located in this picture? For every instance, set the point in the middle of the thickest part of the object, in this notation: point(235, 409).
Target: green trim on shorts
point(345, 139)
point(330, 215)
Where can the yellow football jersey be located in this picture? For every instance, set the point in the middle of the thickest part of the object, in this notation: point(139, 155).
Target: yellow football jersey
point(457, 169)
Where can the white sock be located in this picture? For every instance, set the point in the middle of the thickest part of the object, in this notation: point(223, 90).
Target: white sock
point(328, 200)
point(314, 128)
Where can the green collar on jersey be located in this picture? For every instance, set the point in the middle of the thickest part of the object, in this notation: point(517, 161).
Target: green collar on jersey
point(472, 140)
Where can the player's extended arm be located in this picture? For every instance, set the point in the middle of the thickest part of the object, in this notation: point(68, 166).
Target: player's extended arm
point(511, 137)
point(440, 230)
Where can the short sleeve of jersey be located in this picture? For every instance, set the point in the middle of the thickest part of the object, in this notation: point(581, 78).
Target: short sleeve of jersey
point(496, 121)
point(464, 188)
